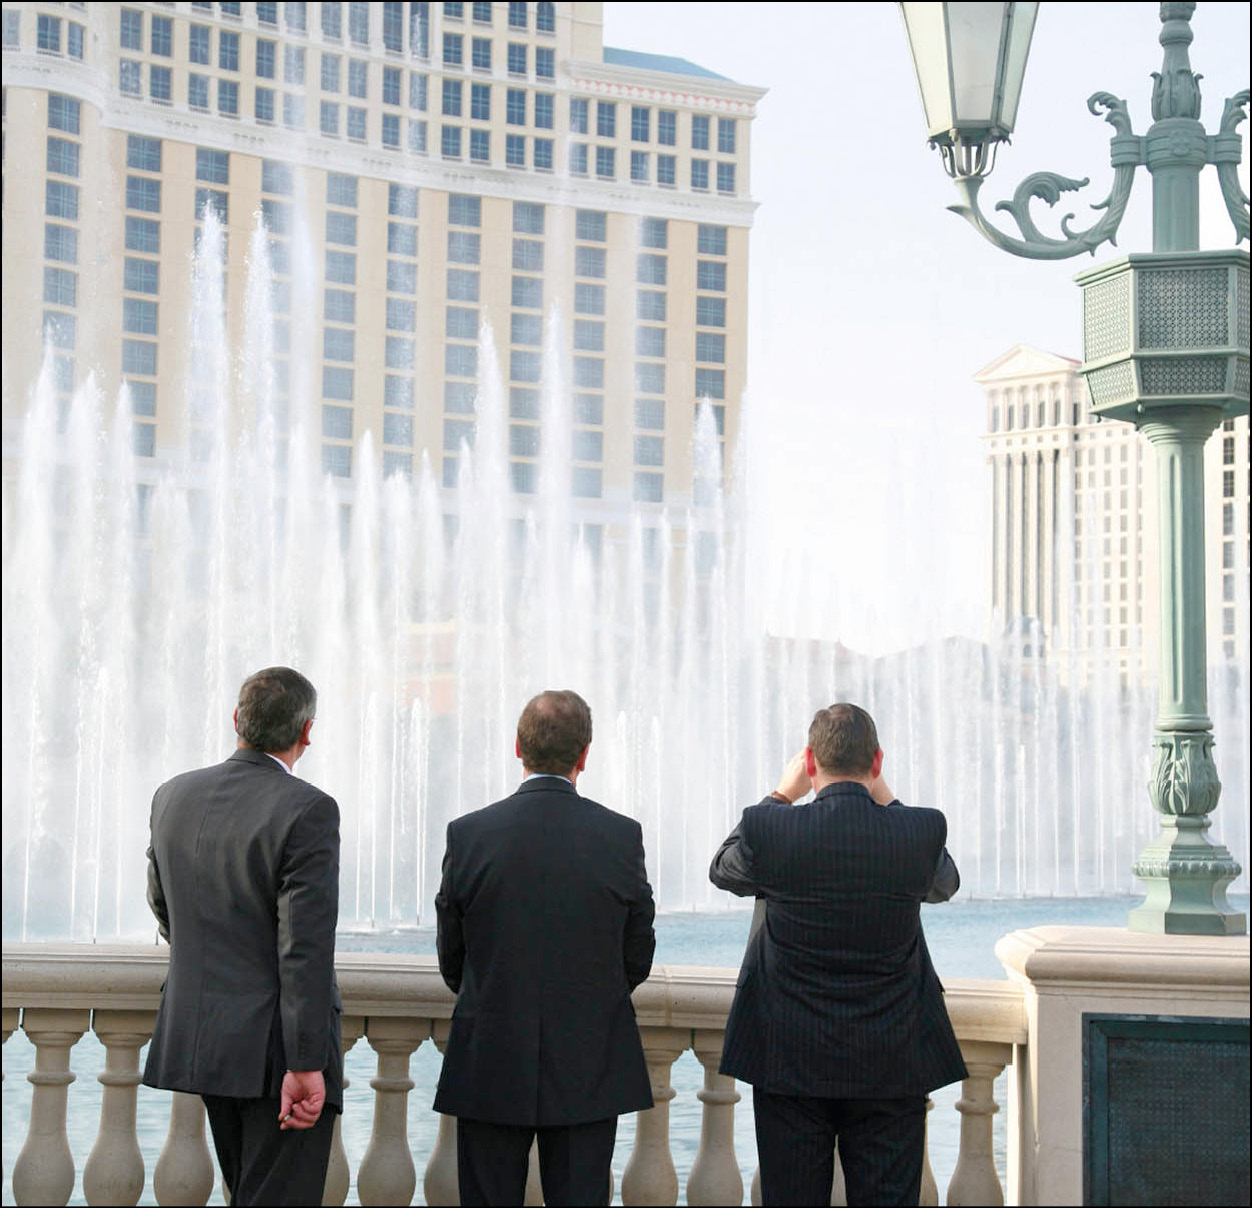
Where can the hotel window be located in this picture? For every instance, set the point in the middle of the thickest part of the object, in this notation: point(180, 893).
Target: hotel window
point(650, 342)
point(650, 414)
point(401, 315)
point(12, 29)
point(330, 119)
point(666, 170)
point(293, 111)
point(528, 218)
point(711, 312)
point(143, 193)
point(527, 330)
point(160, 83)
point(295, 16)
point(653, 232)
point(228, 97)
point(650, 306)
point(263, 105)
point(591, 225)
point(139, 317)
point(212, 199)
point(517, 59)
point(700, 174)
point(277, 178)
point(418, 88)
point(393, 26)
point(528, 256)
point(358, 79)
point(339, 306)
point(402, 238)
point(162, 37)
point(589, 262)
point(338, 344)
point(525, 366)
point(726, 136)
point(452, 50)
point(130, 77)
point(480, 53)
point(63, 113)
point(650, 269)
point(606, 163)
point(463, 247)
point(60, 287)
point(515, 107)
point(578, 159)
point(48, 33)
point(332, 21)
point(699, 133)
point(710, 383)
point(480, 102)
point(711, 275)
point(639, 167)
point(465, 210)
point(588, 299)
point(228, 51)
point(62, 157)
point(417, 136)
point(139, 357)
point(143, 235)
point(640, 124)
point(711, 347)
point(131, 29)
point(480, 145)
point(452, 98)
point(542, 154)
point(356, 124)
point(330, 72)
point(586, 482)
point(545, 18)
point(587, 446)
point(649, 378)
point(588, 335)
point(578, 111)
point(337, 460)
point(359, 23)
point(528, 292)
point(293, 64)
point(341, 229)
point(401, 277)
point(390, 130)
point(392, 77)
point(606, 119)
point(545, 63)
point(213, 166)
point(726, 179)
point(341, 267)
point(337, 383)
point(545, 110)
point(398, 392)
point(518, 17)
point(198, 44)
point(667, 128)
point(515, 150)
point(461, 323)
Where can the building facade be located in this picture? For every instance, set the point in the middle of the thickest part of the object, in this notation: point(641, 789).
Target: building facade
point(1074, 523)
point(444, 193)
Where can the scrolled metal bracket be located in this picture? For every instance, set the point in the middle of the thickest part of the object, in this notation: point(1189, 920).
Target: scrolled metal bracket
point(1126, 156)
point(1227, 152)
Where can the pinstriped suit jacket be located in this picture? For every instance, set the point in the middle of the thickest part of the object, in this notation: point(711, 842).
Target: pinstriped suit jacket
point(837, 997)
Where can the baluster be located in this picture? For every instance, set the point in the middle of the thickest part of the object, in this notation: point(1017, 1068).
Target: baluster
point(184, 1171)
point(114, 1172)
point(838, 1185)
point(715, 1177)
point(387, 1174)
point(929, 1195)
point(338, 1174)
point(44, 1170)
point(440, 1182)
point(974, 1181)
point(650, 1177)
point(533, 1196)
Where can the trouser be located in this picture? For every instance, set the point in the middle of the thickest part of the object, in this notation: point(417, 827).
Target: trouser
point(262, 1164)
point(881, 1148)
point(574, 1161)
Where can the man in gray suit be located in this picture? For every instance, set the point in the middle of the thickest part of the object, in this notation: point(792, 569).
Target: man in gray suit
point(243, 877)
point(838, 1019)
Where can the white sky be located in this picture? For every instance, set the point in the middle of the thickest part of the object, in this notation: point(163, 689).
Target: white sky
point(872, 306)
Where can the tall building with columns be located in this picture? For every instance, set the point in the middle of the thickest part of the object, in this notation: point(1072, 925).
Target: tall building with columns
point(1074, 524)
point(422, 174)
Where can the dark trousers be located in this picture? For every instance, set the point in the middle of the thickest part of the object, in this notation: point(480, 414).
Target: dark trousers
point(881, 1147)
point(262, 1164)
point(574, 1161)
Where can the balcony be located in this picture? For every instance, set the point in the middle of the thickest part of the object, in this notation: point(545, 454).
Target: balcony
point(396, 1004)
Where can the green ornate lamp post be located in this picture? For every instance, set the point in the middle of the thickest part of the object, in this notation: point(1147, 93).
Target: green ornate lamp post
point(1165, 348)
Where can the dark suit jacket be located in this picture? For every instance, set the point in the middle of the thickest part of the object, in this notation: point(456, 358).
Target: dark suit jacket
point(837, 997)
point(243, 877)
point(544, 928)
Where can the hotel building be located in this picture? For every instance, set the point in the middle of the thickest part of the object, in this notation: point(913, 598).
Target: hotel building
point(1074, 523)
point(425, 173)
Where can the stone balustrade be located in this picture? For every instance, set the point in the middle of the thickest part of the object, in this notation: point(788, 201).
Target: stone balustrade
point(396, 1004)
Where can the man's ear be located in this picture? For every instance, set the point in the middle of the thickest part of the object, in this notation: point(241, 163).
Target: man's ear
point(810, 763)
point(875, 768)
point(234, 717)
point(582, 759)
point(304, 734)
point(517, 747)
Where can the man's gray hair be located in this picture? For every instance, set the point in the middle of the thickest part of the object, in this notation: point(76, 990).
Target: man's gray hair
point(274, 705)
point(843, 740)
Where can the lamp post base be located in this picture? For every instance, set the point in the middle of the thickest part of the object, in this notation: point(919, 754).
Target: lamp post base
point(1186, 878)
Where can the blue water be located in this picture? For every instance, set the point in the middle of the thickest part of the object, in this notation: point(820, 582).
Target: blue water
point(961, 936)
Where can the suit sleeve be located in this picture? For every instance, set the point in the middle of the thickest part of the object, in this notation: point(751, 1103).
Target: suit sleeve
point(308, 909)
point(449, 931)
point(639, 941)
point(156, 894)
point(946, 880)
point(731, 868)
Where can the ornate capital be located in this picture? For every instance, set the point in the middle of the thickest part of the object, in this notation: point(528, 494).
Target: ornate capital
point(1184, 779)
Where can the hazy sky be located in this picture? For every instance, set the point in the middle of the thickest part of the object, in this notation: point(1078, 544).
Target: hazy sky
point(872, 306)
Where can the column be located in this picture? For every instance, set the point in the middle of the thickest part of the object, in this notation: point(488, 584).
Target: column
point(974, 1181)
point(44, 1170)
point(715, 1177)
point(114, 1173)
point(649, 1177)
point(440, 1183)
point(184, 1171)
point(338, 1174)
point(387, 1175)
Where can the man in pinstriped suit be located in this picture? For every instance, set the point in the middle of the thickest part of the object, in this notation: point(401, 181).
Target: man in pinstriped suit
point(838, 1021)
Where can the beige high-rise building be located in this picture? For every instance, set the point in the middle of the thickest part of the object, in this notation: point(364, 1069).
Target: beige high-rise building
point(1074, 523)
point(425, 173)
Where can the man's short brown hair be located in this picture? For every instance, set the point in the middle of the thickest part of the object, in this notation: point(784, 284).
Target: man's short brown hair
point(553, 731)
point(844, 740)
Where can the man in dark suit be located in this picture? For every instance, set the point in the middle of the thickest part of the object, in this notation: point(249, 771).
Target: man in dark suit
point(243, 877)
point(838, 1020)
point(544, 928)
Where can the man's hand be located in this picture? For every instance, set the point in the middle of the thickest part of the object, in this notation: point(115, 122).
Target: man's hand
point(303, 1097)
point(795, 782)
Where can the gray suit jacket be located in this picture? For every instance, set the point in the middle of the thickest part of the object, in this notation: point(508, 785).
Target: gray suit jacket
point(243, 877)
point(837, 997)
